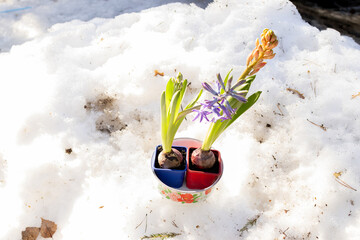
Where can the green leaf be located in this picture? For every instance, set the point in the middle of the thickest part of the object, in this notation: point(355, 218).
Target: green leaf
point(170, 86)
point(192, 103)
point(246, 86)
point(171, 130)
point(250, 78)
point(171, 116)
point(226, 80)
point(244, 107)
point(164, 122)
point(172, 108)
point(183, 114)
point(213, 133)
point(182, 92)
point(189, 108)
point(249, 81)
point(219, 127)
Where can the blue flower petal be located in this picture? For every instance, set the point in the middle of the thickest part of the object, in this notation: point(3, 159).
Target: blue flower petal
point(220, 81)
point(208, 88)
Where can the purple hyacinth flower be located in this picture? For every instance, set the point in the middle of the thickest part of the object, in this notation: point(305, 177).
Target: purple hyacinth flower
point(210, 103)
point(208, 88)
point(202, 114)
point(220, 82)
point(226, 111)
point(238, 84)
point(216, 118)
point(219, 106)
point(229, 83)
point(216, 111)
point(237, 96)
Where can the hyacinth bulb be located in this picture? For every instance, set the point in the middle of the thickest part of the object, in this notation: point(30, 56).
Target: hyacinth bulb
point(203, 159)
point(169, 160)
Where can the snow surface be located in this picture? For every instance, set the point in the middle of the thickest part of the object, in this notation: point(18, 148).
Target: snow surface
point(79, 75)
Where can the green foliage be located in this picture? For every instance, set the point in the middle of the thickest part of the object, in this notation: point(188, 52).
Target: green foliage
point(161, 236)
point(171, 116)
point(218, 127)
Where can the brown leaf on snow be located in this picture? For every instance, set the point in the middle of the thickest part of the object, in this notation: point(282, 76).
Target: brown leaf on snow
point(355, 95)
point(30, 233)
point(156, 72)
point(48, 228)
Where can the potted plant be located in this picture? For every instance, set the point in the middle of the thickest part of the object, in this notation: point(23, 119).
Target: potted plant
point(184, 194)
point(201, 164)
point(169, 162)
point(227, 104)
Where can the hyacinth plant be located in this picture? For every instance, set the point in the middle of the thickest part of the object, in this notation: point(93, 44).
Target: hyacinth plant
point(230, 102)
point(171, 118)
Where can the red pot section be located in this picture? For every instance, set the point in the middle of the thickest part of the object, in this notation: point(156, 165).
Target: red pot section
point(200, 179)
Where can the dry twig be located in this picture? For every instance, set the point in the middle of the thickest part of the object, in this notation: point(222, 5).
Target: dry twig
point(174, 224)
point(250, 223)
point(161, 236)
point(281, 112)
point(337, 178)
point(320, 126)
point(278, 106)
point(294, 91)
point(313, 87)
point(145, 218)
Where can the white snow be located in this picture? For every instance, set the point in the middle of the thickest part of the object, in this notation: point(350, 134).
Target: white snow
point(59, 56)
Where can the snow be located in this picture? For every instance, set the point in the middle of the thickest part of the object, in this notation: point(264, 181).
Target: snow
point(70, 68)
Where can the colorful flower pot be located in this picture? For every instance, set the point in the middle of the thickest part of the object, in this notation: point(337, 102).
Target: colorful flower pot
point(185, 194)
point(171, 177)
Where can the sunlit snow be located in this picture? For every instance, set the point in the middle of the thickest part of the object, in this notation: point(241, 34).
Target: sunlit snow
point(79, 75)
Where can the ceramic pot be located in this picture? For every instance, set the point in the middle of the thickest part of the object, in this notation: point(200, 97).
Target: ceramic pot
point(184, 194)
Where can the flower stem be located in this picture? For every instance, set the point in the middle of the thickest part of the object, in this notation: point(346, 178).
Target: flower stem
point(249, 68)
point(206, 145)
point(246, 72)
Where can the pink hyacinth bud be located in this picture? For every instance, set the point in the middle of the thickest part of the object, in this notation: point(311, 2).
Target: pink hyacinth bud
point(249, 58)
point(273, 44)
point(253, 72)
point(269, 54)
point(259, 65)
point(263, 50)
point(269, 39)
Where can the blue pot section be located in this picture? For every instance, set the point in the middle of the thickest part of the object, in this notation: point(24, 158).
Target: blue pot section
point(171, 177)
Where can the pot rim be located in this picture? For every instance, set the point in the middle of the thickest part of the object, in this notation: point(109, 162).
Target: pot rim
point(184, 188)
